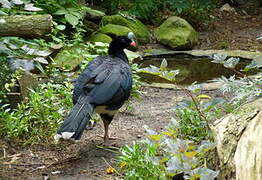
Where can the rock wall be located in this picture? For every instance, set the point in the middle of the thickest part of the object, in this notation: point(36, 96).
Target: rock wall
point(239, 143)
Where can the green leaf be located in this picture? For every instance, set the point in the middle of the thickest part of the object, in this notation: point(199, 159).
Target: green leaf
point(219, 58)
point(231, 62)
point(71, 19)
point(17, 2)
point(31, 7)
point(250, 66)
point(2, 13)
point(6, 4)
point(60, 27)
point(61, 12)
point(163, 65)
point(77, 14)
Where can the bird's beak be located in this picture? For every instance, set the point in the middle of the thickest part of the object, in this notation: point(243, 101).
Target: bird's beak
point(133, 44)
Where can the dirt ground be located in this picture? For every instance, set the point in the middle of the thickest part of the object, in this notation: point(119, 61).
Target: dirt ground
point(86, 159)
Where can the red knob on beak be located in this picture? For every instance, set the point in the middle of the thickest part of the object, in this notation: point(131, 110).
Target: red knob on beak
point(133, 43)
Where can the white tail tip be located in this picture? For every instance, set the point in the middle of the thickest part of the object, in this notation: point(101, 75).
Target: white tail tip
point(64, 135)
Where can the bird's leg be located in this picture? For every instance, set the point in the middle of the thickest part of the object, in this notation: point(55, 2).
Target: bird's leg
point(106, 136)
point(107, 120)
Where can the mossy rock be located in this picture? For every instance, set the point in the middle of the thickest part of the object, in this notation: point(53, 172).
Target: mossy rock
point(71, 57)
point(99, 37)
point(176, 33)
point(113, 29)
point(137, 27)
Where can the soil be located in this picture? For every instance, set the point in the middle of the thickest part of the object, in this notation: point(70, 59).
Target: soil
point(87, 159)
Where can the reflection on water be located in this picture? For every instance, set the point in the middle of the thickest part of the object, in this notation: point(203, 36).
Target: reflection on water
point(191, 69)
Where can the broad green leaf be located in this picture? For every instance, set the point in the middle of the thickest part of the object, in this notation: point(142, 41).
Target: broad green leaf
point(182, 105)
point(231, 62)
point(31, 7)
point(206, 145)
point(174, 164)
point(39, 67)
point(205, 173)
point(2, 13)
point(163, 65)
point(250, 66)
point(219, 58)
point(5, 4)
point(149, 131)
point(17, 2)
point(203, 96)
point(212, 103)
point(61, 12)
point(41, 60)
point(195, 87)
point(190, 154)
point(156, 137)
point(71, 19)
point(77, 14)
point(60, 27)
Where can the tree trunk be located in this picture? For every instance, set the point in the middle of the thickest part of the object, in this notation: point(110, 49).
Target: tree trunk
point(25, 26)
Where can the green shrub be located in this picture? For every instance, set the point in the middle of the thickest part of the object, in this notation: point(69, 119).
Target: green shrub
point(164, 156)
point(38, 119)
point(195, 11)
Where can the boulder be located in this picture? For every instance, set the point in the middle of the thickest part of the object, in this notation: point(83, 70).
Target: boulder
point(140, 30)
point(99, 37)
point(239, 145)
point(176, 33)
point(112, 29)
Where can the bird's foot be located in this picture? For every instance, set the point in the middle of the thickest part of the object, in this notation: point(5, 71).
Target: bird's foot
point(109, 138)
point(110, 141)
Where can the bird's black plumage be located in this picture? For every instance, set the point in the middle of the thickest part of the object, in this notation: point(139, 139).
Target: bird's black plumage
point(103, 86)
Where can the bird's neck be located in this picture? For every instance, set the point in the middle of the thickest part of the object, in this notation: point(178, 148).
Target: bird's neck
point(118, 53)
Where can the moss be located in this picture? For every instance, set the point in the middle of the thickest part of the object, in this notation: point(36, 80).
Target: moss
point(118, 30)
point(176, 33)
point(135, 25)
point(99, 37)
point(71, 57)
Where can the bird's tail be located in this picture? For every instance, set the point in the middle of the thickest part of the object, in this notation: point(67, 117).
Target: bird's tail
point(76, 122)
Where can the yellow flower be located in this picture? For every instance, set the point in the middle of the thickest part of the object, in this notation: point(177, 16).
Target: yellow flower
point(110, 170)
point(122, 164)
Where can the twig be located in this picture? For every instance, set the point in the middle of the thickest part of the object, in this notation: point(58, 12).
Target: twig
point(110, 149)
point(194, 101)
point(56, 163)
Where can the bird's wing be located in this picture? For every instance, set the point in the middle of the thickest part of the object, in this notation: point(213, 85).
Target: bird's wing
point(114, 79)
point(86, 76)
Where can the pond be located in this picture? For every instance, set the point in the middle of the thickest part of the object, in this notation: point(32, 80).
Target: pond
point(192, 68)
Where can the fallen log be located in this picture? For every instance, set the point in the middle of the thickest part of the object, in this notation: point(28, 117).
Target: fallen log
point(25, 26)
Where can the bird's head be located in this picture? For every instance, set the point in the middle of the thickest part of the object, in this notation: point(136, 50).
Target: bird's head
point(122, 42)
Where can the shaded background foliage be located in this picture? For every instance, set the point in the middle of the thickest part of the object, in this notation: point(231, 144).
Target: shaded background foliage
point(154, 10)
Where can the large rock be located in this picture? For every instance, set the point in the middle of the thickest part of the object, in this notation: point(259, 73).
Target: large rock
point(135, 25)
point(99, 37)
point(112, 29)
point(176, 33)
point(239, 143)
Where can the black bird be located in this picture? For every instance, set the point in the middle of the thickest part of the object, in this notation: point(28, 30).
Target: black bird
point(103, 87)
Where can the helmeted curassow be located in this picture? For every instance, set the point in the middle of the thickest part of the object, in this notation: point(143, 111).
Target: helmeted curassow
point(103, 87)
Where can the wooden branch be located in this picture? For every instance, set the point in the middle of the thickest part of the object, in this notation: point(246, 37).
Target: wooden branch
point(25, 26)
